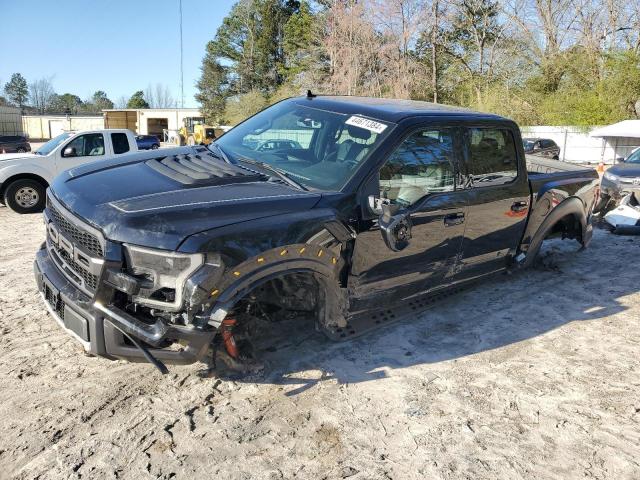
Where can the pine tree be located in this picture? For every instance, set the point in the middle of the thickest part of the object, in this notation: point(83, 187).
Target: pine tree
point(137, 100)
point(16, 89)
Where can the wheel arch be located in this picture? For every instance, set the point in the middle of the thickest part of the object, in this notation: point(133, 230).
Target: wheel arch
point(21, 176)
point(571, 209)
point(324, 264)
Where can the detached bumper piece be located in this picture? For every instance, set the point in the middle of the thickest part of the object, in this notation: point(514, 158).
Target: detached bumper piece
point(110, 332)
point(625, 219)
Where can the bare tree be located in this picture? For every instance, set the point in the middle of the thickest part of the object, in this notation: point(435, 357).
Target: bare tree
point(159, 96)
point(399, 22)
point(41, 94)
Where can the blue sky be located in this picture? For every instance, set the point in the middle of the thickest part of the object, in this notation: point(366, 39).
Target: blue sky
point(117, 46)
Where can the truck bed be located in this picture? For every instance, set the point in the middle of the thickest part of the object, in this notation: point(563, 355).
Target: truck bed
point(544, 170)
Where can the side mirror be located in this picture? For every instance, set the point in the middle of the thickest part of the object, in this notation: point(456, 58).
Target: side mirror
point(395, 226)
point(70, 152)
point(619, 159)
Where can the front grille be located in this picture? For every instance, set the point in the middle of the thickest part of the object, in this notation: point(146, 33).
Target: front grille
point(90, 280)
point(85, 239)
point(76, 249)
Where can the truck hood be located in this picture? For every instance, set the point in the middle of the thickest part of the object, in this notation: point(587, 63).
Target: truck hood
point(625, 169)
point(144, 202)
point(16, 156)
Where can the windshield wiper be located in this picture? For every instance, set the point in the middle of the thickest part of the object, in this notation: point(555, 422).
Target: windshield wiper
point(219, 152)
point(281, 174)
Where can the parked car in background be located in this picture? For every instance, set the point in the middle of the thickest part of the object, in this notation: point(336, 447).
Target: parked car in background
point(14, 144)
point(276, 145)
point(618, 181)
point(24, 177)
point(147, 142)
point(544, 147)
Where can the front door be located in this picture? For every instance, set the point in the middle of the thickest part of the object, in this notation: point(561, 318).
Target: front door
point(82, 149)
point(498, 201)
point(421, 179)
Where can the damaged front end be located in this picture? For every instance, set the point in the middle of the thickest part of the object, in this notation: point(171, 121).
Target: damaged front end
point(124, 301)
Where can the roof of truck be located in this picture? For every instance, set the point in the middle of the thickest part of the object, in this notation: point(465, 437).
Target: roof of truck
point(390, 110)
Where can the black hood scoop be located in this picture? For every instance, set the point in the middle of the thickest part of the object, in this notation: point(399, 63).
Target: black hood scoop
point(194, 170)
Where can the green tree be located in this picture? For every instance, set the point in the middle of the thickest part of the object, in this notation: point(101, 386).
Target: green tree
point(16, 89)
point(211, 87)
point(100, 101)
point(300, 42)
point(243, 106)
point(137, 100)
point(66, 103)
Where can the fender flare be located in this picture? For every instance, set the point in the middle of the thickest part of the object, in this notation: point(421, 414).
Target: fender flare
point(323, 263)
point(570, 206)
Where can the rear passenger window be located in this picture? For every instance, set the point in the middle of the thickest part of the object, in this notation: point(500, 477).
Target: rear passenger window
point(492, 156)
point(120, 143)
point(421, 165)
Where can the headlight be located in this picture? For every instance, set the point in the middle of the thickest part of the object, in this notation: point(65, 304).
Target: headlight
point(611, 177)
point(163, 274)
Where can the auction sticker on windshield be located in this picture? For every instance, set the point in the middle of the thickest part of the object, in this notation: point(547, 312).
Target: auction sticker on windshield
point(367, 124)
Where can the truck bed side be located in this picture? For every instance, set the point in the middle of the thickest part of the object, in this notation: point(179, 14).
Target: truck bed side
point(562, 198)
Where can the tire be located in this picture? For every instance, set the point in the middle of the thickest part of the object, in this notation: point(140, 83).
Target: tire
point(155, 146)
point(191, 141)
point(555, 157)
point(21, 150)
point(25, 196)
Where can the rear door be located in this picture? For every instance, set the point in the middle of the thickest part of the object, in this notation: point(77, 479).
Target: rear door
point(498, 190)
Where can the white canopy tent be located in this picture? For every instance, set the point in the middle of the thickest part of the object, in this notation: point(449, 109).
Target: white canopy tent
point(618, 140)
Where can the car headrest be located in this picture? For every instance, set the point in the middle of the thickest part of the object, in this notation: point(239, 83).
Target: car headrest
point(357, 132)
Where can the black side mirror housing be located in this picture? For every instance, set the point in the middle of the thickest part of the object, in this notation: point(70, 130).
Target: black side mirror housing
point(619, 159)
point(395, 226)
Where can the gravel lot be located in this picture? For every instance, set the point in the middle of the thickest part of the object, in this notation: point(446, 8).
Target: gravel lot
point(533, 375)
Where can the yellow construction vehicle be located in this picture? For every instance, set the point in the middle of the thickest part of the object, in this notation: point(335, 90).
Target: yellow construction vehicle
point(195, 132)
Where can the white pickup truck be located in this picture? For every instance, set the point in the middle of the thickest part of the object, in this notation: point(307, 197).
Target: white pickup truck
point(24, 177)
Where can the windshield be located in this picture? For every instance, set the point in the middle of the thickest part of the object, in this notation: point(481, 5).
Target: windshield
point(634, 157)
point(50, 146)
point(315, 148)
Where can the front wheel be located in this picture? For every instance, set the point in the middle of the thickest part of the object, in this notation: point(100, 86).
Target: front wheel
point(21, 150)
point(155, 146)
point(25, 196)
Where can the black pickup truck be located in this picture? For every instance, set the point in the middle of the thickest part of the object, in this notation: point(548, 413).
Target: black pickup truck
point(351, 209)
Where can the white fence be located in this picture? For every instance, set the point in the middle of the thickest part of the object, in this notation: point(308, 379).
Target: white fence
point(577, 146)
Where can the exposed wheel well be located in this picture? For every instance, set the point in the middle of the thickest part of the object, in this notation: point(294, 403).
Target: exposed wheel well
point(294, 292)
point(29, 176)
point(568, 226)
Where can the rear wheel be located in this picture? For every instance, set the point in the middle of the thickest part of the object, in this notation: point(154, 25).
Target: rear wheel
point(155, 146)
point(21, 150)
point(25, 196)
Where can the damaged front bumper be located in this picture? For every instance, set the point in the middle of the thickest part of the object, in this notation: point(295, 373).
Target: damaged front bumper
point(110, 332)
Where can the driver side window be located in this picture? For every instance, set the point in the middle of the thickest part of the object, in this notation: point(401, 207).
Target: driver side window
point(89, 145)
point(421, 165)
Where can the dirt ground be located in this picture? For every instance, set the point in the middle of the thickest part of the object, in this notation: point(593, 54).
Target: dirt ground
point(534, 375)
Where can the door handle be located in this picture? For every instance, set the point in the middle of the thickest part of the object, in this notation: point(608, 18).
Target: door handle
point(453, 219)
point(519, 206)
